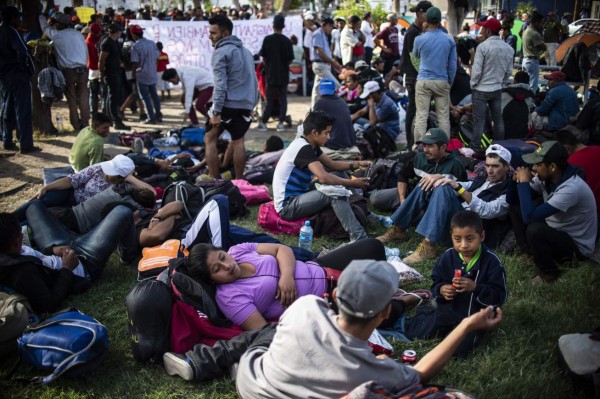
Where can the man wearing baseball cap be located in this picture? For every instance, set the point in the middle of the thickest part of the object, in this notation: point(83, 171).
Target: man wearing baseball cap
point(491, 71)
point(342, 134)
point(486, 196)
point(565, 224)
point(380, 111)
point(144, 55)
point(559, 105)
point(436, 52)
point(364, 297)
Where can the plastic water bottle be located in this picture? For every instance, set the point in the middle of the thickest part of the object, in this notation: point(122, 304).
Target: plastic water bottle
point(385, 220)
point(389, 252)
point(59, 122)
point(306, 237)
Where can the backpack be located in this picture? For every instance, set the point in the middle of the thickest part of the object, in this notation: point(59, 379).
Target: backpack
point(149, 308)
point(253, 194)
point(268, 219)
point(326, 223)
point(237, 202)
point(193, 197)
point(366, 151)
point(260, 174)
point(68, 342)
point(192, 136)
point(14, 318)
point(381, 143)
point(156, 259)
point(52, 84)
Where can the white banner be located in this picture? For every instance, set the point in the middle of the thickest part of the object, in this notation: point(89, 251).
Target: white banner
point(187, 42)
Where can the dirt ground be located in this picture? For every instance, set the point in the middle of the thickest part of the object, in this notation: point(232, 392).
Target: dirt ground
point(21, 175)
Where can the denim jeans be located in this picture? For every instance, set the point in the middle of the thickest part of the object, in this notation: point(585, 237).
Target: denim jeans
point(16, 110)
point(439, 206)
point(312, 202)
point(481, 99)
point(151, 101)
point(50, 199)
point(97, 91)
point(532, 67)
point(321, 71)
point(94, 247)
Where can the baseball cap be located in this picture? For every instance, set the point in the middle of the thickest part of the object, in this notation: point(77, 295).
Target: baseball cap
point(340, 19)
point(279, 19)
point(366, 287)
point(136, 29)
point(62, 18)
point(309, 15)
point(95, 27)
point(369, 88)
point(422, 6)
point(115, 27)
point(492, 24)
point(360, 64)
point(555, 75)
point(434, 15)
point(433, 136)
point(118, 166)
point(549, 151)
point(500, 151)
point(326, 87)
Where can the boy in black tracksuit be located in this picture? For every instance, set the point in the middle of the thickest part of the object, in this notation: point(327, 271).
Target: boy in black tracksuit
point(482, 283)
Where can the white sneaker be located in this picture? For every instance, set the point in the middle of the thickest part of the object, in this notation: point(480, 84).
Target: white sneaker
point(261, 127)
point(281, 127)
point(176, 364)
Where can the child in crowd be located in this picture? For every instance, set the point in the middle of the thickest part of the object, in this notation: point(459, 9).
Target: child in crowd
point(466, 278)
point(161, 66)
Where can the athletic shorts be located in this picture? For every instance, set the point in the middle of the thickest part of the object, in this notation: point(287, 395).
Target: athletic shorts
point(235, 121)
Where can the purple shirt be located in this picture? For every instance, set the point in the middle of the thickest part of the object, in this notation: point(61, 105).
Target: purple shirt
point(88, 182)
point(238, 300)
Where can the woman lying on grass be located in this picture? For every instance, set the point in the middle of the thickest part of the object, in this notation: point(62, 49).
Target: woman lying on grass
point(255, 282)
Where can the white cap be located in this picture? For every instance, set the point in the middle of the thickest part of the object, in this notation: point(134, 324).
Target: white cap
point(118, 166)
point(309, 15)
point(500, 151)
point(360, 64)
point(370, 87)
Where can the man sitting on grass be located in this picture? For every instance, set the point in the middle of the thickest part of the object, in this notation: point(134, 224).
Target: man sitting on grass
point(88, 148)
point(466, 279)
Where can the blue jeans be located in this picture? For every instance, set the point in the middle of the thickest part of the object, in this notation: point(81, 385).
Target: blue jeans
point(532, 67)
point(151, 101)
point(94, 247)
point(50, 199)
point(16, 110)
point(439, 206)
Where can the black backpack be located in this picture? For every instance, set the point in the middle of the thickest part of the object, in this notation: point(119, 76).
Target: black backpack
point(192, 197)
point(381, 143)
point(237, 202)
point(260, 174)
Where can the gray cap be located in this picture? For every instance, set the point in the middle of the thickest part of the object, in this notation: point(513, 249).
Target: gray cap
point(366, 287)
point(62, 18)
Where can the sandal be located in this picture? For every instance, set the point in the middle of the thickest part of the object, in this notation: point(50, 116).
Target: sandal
point(423, 295)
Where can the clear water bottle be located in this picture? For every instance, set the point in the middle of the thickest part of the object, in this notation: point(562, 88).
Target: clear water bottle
point(389, 252)
point(305, 239)
point(59, 122)
point(385, 220)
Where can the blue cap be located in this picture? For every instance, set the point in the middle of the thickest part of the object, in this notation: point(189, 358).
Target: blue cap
point(326, 87)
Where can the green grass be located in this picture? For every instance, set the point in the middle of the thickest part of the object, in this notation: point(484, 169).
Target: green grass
point(518, 360)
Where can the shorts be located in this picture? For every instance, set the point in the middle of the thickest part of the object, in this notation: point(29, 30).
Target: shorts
point(235, 121)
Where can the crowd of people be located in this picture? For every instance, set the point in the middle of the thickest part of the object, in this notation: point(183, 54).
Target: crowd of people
point(467, 181)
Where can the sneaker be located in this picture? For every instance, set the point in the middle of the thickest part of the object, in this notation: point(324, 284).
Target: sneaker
point(29, 150)
point(288, 121)
point(138, 145)
point(424, 251)
point(176, 364)
point(281, 127)
point(393, 233)
point(143, 117)
point(261, 126)
point(121, 126)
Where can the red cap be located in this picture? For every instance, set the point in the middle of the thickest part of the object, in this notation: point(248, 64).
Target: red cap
point(492, 24)
point(556, 75)
point(95, 28)
point(136, 29)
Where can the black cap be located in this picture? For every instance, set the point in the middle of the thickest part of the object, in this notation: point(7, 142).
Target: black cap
point(422, 6)
point(278, 19)
point(115, 27)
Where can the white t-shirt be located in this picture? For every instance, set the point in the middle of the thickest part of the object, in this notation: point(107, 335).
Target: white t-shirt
point(51, 261)
point(311, 357)
point(335, 40)
point(577, 216)
point(367, 30)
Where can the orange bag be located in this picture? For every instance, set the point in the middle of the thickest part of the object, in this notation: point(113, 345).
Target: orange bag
point(156, 259)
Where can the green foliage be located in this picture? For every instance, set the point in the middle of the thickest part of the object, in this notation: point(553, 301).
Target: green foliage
point(294, 5)
point(359, 8)
point(524, 7)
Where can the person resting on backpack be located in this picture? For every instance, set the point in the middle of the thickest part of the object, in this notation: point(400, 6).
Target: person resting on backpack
point(292, 360)
point(45, 280)
point(256, 282)
point(482, 283)
point(380, 111)
point(427, 167)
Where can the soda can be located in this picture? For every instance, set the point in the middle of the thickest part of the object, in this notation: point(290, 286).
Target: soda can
point(409, 356)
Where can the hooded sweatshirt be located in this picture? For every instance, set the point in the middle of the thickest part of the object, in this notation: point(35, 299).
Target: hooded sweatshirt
point(235, 85)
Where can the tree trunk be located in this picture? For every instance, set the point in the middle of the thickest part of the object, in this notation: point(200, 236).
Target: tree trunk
point(284, 8)
point(455, 17)
point(42, 116)
point(396, 6)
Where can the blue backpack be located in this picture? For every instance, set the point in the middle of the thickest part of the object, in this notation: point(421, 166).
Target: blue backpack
point(68, 342)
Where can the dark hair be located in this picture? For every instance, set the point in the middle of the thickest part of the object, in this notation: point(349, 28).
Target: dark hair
point(222, 22)
point(521, 77)
point(159, 45)
point(353, 77)
point(353, 19)
point(294, 39)
point(143, 196)
point(9, 12)
point(349, 65)
point(317, 120)
point(565, 137)
point(99, 118)
point(466, 28)
point(496, 156)
point(467, 219)
point(9, 230)
point(195, 263)
point(169, 74)
point(536, 17)
point(274, 143)
point(367, 15)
